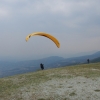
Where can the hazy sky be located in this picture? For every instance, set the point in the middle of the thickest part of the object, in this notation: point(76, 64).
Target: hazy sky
point(75, 23)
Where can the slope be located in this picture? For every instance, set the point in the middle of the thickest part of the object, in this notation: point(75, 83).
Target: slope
point(66, 83)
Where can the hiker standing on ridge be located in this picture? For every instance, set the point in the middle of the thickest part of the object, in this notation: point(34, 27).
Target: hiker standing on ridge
point(42, 66)
point(88, 61)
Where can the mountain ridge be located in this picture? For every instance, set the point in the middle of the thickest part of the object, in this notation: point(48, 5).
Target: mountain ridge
point(12, 68)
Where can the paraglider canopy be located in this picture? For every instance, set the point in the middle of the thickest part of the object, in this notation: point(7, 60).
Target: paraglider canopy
point(45, 35)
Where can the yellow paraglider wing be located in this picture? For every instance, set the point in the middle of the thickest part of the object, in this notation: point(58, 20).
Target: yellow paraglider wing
point(45, 35)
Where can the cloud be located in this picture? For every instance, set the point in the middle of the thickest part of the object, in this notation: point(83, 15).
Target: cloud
point(3, 12)
point(49, 15)
point(72, 22)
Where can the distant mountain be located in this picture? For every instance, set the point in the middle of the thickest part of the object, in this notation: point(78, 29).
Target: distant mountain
point(95, 55)
point(83, 59)
point(96, 60)
point(76, 60)
point(13, 68)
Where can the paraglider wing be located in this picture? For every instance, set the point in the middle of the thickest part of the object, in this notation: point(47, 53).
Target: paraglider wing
point(28, 37)
point(45, 35)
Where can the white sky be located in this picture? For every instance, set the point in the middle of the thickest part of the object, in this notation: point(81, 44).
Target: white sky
point(75, 23)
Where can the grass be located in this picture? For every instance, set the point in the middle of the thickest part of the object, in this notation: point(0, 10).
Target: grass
point(11, 85)
point(85, 70)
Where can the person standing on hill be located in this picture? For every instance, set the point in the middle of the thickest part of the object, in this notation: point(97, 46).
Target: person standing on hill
point(88, 61)
point(42, 66)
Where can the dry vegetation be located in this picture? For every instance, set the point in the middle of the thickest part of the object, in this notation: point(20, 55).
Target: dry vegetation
point(80, 82)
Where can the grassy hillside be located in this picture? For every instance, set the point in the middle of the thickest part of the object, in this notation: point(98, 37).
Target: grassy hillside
point(80, 82)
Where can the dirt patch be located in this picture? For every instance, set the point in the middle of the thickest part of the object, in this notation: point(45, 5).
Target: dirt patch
point(76, 88)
